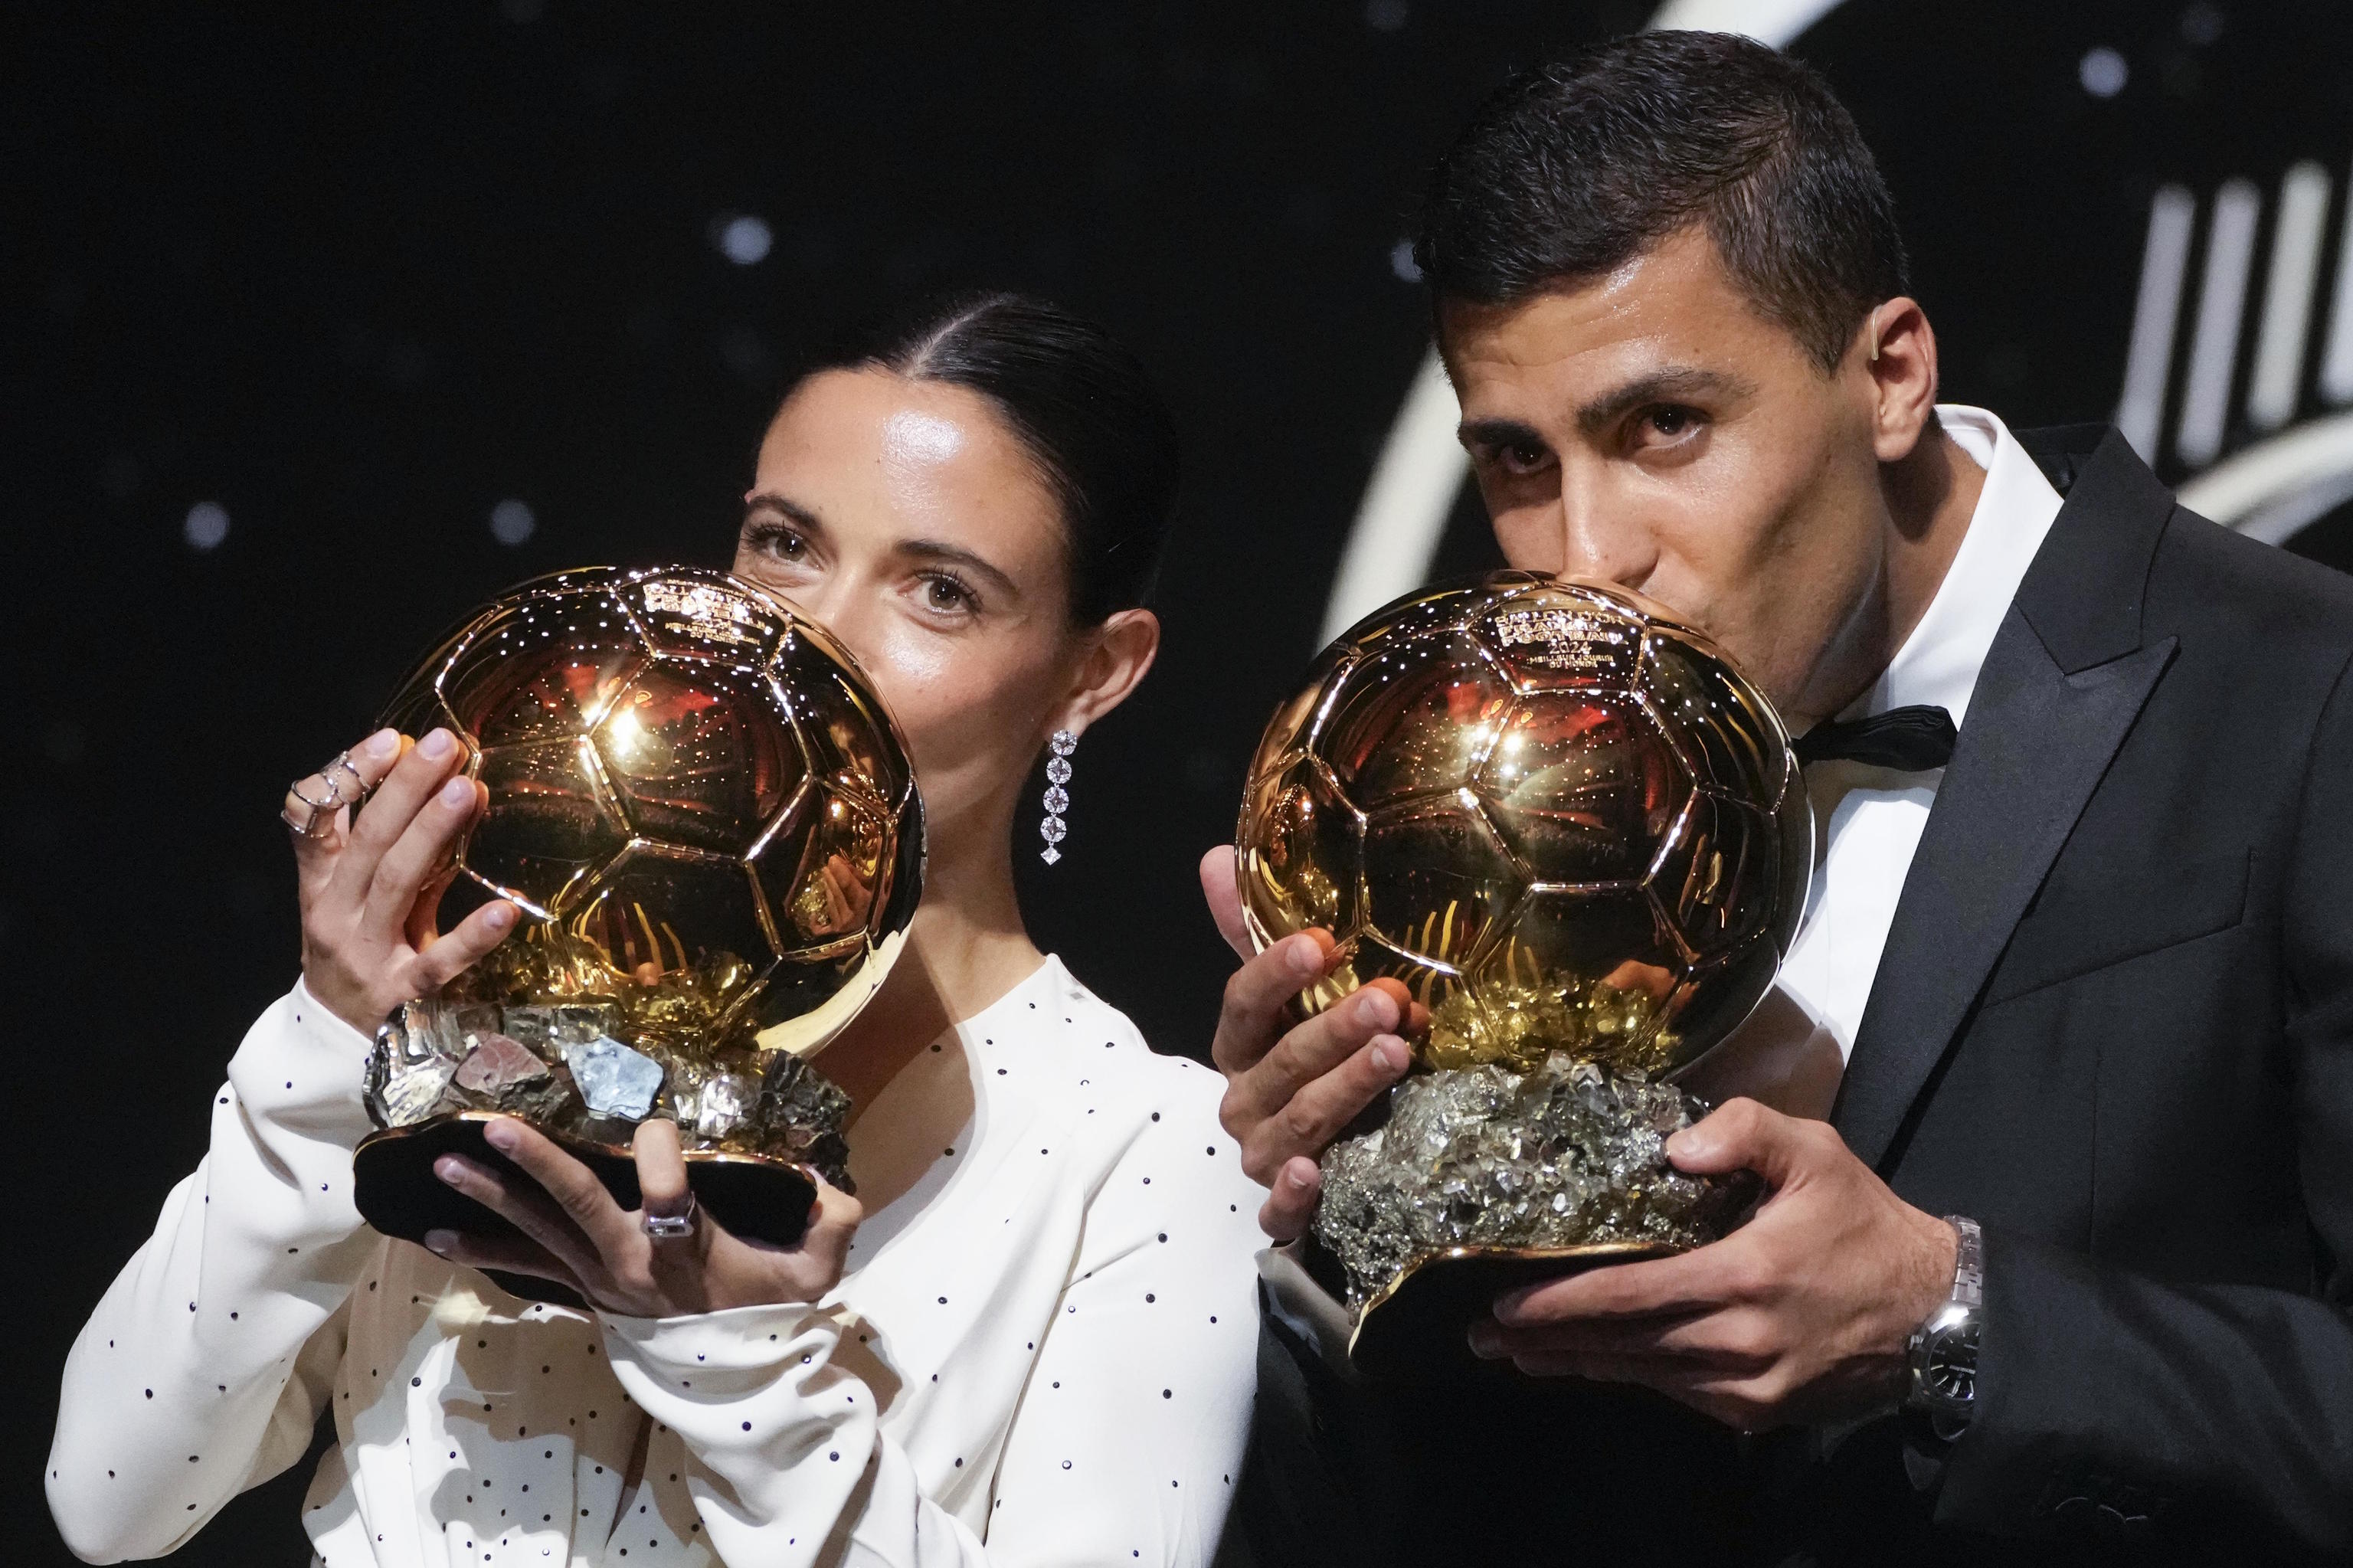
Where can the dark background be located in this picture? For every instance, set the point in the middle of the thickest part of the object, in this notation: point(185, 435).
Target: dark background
point(357, 278)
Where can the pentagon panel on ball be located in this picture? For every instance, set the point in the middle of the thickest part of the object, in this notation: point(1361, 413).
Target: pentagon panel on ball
point(709, 822)
point(1566, 825)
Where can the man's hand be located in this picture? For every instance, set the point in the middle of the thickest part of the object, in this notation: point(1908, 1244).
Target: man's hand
point(1291, 1089)
point(1802, 1314)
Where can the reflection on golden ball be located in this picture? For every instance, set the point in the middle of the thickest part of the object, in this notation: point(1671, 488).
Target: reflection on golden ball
point(1558, 817)
point(694, 793)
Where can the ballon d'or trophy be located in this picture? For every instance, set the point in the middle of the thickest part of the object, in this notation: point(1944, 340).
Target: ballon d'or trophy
point(709, 824)
point(1574, 838)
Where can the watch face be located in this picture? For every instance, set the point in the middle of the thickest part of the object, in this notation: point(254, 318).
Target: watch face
point(1949, 1369)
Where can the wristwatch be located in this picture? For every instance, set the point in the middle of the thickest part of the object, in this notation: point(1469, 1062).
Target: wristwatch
point(1943, 1351)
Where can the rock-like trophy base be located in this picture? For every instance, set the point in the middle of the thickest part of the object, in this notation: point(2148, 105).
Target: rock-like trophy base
point(1481, 1178)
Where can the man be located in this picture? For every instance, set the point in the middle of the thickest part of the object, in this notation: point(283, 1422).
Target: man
point(2063, 1057)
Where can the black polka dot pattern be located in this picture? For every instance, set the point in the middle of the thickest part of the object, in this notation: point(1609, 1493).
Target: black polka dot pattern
point(1028, 1275)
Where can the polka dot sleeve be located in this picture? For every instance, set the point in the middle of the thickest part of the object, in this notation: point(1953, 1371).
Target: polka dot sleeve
point(205, 1364)
point(1128, 1429)
point(1129, 1436)
point(781, 1436)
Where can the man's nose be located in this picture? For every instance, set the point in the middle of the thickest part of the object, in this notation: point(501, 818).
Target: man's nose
point(1602, 540)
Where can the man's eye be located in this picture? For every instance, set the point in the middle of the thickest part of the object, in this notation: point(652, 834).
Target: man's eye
point(1524, 457)
point(1670, 421)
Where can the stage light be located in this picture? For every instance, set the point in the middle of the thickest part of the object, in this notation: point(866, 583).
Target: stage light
point(513, 522)
point(744, 239)
point(206, 524)
point(2103, 73)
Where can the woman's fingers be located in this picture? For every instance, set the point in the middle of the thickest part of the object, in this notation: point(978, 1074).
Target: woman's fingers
point(540, 1221)
point(510, 1254)
point(451, 954)
point(661, 1168)
point(345, 779)
point(411, 783)
point(832, 1222)
point(574, 1187)
point(417, 857)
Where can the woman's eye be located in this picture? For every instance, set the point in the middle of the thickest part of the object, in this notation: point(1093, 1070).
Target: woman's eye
point(946, 594)
point(777, 542)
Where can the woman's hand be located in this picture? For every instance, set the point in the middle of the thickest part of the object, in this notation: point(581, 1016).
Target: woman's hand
point(370, 884)
point(575, 1235)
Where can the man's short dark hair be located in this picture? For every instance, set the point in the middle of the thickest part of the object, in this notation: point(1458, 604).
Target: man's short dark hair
point(1572, 169)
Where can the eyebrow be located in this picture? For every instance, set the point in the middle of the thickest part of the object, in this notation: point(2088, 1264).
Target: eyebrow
point(933, 551)
point(943, 554)
point(1673, 383)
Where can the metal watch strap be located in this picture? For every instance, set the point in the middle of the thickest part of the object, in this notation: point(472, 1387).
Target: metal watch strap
point(1969, 1263)
point(1950, 1412)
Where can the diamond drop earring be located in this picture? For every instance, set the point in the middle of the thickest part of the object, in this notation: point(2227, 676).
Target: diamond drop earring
point(1057, 799)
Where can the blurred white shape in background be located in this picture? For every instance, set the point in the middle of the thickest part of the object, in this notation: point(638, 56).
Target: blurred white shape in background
point(513, 522)
point(2103, 72)
point(206, 524)
point(744, 239)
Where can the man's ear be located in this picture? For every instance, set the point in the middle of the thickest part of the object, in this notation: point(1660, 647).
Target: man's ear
point(1898, 351)
point(1119, 654)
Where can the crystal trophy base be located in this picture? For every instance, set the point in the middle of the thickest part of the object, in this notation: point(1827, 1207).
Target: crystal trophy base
point(758, 1130)
point(1481, 1179)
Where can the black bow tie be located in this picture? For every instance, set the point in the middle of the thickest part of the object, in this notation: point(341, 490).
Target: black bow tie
point(1905, 740)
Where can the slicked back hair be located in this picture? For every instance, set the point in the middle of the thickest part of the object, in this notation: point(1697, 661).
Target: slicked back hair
point(1573, 169)
point(1081, 403)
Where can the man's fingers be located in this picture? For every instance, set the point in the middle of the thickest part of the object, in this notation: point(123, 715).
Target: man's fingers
point(574, 1187)
point(1742, 1135)
point(1289, 1205)
point(531, 1212)
point(379, 824)
point(1734, 1341)
point(1225, 898)
point(1309, 1051)
point(1696, 1281)
point(1314, 1114)
point(510, 1254)
point(1253, 1016)
point(418, 856)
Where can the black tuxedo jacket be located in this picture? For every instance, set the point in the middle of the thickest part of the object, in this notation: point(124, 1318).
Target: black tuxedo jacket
point(2113, 1023)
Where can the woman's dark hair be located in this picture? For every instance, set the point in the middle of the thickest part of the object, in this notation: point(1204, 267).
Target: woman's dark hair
point(1081, 403)
point(1571, 170)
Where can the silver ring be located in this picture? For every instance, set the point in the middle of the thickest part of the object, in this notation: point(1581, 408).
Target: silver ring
point(671, 1227)
point(321, 817)
point(334, 797)
point(342, 764)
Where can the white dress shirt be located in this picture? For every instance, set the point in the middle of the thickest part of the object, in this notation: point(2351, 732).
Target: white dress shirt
point(1043, 1353)
point(1868, 820)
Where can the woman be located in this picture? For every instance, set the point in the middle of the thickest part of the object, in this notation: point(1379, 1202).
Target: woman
point(1035, 1342)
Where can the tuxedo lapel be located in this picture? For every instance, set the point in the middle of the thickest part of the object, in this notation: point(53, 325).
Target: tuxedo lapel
point(2036, 743)
point(2062, 685)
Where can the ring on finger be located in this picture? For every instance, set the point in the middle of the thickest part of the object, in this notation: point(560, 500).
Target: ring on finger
point(671, 1227)
point(319, 814)
point(340, 785)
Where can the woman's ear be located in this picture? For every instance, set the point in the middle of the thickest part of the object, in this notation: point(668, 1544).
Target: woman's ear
point(1118, 655)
